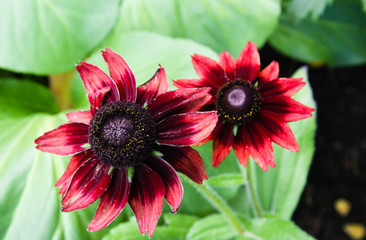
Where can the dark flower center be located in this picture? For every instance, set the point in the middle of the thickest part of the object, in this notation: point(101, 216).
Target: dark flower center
point(122, 134)
point(238, 102)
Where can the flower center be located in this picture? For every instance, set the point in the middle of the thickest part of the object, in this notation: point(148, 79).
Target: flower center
point(238, 102)
point(122, 134)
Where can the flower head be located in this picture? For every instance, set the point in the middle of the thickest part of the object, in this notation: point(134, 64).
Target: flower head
point(129, 145)
point(254, 106)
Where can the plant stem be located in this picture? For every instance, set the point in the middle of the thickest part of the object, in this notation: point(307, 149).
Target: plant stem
point(252, 196)
point(60, 85)
point(219, 204)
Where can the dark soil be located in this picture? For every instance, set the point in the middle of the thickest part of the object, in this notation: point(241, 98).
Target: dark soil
point(339, 162)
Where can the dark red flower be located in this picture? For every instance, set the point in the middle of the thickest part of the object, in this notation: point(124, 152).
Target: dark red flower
point(130, 144)
point(254, 106)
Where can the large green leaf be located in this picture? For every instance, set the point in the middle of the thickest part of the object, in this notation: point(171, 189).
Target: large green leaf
point(221, 25)
point(211, 227)
point(29, 202)
point(300, 9)
point(280, 188)
point(21, 98)
point(337, 38)
point(269, 228)
point(273, 228)
point(49, 36)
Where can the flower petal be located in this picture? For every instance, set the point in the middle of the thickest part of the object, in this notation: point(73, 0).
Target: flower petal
point(281, 87)
point(95, 79)
point(222, 145)
point(248, 63)
point(146, 198)
point(240, 146)
point(278, 130)
point(259, 145)
point(80, 117)
point(287, 107)
point(269, 73)
point(67, 139)
point(112, 201)
point(75, 163)
point(157, 85)
point(178, 101)
point(186, 129)
point(195, 83)
point(121, 74)
point(228, 64)
point(173, 185)
point(185, 160)
point(209, 69)
point(87, 185)
point(98, 99)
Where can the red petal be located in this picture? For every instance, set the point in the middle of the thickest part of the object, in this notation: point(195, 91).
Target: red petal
point(269, 73)
point(281, 87)
point(185, 160)
point(95, 79)
point(121, 74)
point(222, 145)
point(287, 107)
point(98, 99)
point(209, 70)
point(240, 146)
point(173, 185)
point(67, 139)
point(87, 185)
point(157, 85)
point(259, 145)
point(179, 101)
point(278, 130)
point(186, 129)
point(80, 117)
point(195, 83)
point(112, 201)
point(74, 164)
point(146, 198)
point(248, 64)
point(228, 64)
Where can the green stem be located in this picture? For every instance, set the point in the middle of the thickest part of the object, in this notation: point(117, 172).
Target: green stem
point(60, 85)
point(252, 196)
point(219, 204)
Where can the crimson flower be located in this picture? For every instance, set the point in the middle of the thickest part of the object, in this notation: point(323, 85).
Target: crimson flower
point(129, 145)
point(254, 106)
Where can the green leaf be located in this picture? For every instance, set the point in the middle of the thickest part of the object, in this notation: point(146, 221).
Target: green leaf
point(211, 227)
point(47, 37)
point(363, 5)
point(280, 188)
point(29, 202)
point(221, 25)
point(269, 228)
point(143, 52)
point(337, 38)
point(225, 180)
point(273, 228)
point(300, 9)
point(175, 228)
point(21, 98)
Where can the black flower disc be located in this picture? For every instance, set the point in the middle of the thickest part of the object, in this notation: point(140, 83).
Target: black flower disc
point(122, 134)
point(238, 102)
